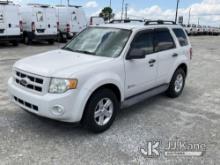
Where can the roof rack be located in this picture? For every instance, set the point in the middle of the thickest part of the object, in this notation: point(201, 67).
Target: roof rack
point(38, 5)
point(126, 20)
point(159, 22)
point(6, 2)
point(74, 6)
point(68, 6)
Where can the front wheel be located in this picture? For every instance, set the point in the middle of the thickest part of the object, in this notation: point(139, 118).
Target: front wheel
point(177, 84)
point(100, 111)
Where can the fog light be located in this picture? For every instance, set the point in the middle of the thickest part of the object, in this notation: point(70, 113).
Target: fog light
point(58, 110)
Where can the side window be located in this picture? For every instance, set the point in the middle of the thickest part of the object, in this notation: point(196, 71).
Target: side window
point(40, 17)
point(144, 41)
point(181, 37)
point(163, 40)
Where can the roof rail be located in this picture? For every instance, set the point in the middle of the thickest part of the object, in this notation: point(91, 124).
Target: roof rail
point(38, 5)
point(68, 6)
point(159, 22)
point(6, 2)
point(74, 6)
point(126, 20)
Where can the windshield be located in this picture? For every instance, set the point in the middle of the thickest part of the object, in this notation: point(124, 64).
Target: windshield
point(106, 42)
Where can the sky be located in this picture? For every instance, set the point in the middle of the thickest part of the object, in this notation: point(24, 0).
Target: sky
point(205, 12)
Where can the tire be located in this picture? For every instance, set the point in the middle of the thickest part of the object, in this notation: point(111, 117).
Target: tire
point(27, 40)
point(176, 85)
point(51, 42)
point(15, 43)
point(101, 122)
point(62, 38)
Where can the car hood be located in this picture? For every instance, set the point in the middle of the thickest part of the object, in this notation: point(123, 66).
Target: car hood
point(59, 63)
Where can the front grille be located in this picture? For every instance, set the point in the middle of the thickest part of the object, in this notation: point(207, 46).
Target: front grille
point(2, 30)
point(29, 81)
point(26, 104)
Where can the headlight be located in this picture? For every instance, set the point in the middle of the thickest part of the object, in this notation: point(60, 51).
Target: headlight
point(62, 85)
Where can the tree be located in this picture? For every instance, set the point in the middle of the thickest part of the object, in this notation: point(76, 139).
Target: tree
point(107, 13)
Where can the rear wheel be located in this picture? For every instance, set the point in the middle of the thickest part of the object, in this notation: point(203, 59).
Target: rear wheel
point(62, 38)
point(51, 42)
point(27, 40)
point(177, 84)
point(100, 111)
point(15, 43)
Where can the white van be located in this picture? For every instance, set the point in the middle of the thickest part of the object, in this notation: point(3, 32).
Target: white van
point(71, 19)
point(95, 20)
point(39, 23)
point(191, 29)
point(10, 25)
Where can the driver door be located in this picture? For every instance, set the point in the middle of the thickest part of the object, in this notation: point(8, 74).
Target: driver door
point(141, 74)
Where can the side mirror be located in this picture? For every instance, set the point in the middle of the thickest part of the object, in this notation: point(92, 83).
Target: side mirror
point(135, 53)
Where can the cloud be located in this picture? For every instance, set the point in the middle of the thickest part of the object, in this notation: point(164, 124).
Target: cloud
point(91, 4)
point(208, 12)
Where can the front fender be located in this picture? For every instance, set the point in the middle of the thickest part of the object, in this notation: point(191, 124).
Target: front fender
point(92, 84)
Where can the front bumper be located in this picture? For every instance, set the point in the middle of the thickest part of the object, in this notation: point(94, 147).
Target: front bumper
point(10, 38)
point(43, 105)
point(45, 37)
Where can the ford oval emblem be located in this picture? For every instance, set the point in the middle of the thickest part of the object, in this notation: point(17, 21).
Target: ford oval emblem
point(25, 81)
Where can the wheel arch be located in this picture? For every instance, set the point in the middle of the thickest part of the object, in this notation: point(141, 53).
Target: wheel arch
point(111, 86)
point(184, 67)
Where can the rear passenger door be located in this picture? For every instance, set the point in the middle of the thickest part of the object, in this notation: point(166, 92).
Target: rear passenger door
point(165, 48)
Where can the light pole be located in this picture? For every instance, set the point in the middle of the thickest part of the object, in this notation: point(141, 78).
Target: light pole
point(122, 9)
point(189, 16)
point(177, 8)
point(126, 11)
point(110, 3)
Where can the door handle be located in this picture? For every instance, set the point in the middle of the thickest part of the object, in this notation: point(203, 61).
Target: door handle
point(152, 61)
point(175, 55)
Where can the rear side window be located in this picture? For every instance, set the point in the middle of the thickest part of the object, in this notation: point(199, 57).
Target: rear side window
point(181, 37)
point(144, 41)
point(163, 40)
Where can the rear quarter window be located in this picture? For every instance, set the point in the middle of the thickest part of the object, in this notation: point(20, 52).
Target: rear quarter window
point(181, 36)
point(163, 40)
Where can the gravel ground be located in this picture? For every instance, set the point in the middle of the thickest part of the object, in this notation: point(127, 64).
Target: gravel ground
point(194, 117)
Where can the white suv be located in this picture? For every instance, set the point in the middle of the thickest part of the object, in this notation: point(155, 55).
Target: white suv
point(103, 69)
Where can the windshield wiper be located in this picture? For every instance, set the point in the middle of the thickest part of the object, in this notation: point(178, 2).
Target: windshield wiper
point(84, 51)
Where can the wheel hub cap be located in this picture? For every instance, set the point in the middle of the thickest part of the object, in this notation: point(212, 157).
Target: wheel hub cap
point(179, 83)
point(103, 111)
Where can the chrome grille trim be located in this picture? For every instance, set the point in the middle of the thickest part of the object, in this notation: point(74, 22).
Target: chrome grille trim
point(31, 82)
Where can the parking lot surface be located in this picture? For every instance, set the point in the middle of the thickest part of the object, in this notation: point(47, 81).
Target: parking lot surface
point(194, 117)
